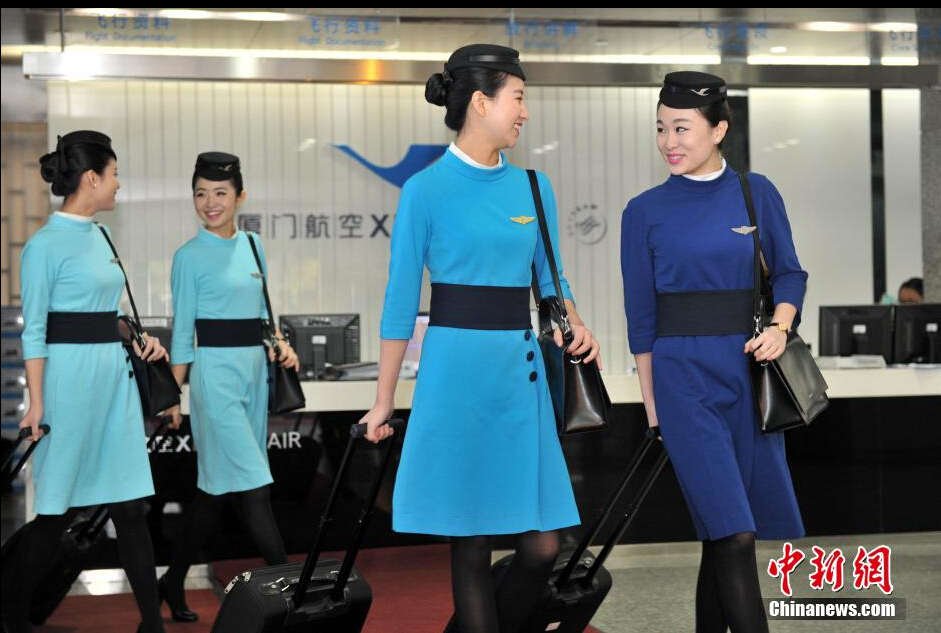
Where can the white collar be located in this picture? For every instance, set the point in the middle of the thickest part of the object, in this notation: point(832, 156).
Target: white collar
point(76, 217)
point(457, 151)
point(706, 177)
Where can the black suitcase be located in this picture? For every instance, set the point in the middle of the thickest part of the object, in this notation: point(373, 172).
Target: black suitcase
point(313, 596)
point(79, 544)
point(579, 582)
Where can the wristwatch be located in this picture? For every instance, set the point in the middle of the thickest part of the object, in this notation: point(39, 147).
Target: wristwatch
point(781, 326)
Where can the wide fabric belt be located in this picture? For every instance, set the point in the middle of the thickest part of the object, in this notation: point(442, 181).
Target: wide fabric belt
point(480, 307)
point(82, 327)
point(707, 313)
point(228, 332)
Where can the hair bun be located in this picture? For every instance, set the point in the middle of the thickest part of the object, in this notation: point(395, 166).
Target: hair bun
point(436, 88)
point(50, 167)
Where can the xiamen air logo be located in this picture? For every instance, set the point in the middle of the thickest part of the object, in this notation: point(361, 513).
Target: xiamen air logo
point(586, 224)
point(417, 158)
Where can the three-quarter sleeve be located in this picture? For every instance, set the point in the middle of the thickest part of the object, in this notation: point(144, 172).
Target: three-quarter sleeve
point(37, 277)
point(411, 234)
point(640, 292)
point(184, 284)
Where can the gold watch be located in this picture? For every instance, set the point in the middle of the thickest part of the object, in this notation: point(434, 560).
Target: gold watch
point(781, 326)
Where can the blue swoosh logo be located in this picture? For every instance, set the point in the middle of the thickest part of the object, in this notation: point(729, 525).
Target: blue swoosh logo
point(417, 158)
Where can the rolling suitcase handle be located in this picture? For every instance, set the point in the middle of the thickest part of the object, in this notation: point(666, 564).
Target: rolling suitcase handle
point(649, 436)
point(357, 431)
point(632, 510)
point(24, 433)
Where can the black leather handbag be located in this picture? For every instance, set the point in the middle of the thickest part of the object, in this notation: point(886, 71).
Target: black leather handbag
point(158, 388)
point(579, 397)
point(790, 391)
point(284, 385)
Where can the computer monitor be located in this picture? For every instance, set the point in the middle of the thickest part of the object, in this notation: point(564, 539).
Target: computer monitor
point(916, 333)
point(853, 330)
point(319, 339)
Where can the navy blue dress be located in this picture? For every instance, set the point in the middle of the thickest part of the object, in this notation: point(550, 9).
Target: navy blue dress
point(679, 237)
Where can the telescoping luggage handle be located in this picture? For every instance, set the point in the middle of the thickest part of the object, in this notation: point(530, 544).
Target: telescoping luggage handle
point(649, 436)
point(357, 431)
point(25, 432)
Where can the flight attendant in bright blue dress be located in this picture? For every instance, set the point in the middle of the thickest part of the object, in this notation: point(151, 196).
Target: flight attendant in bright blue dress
point(482, 454)
point(687, 261)
point(80, 383)
point(219, 303)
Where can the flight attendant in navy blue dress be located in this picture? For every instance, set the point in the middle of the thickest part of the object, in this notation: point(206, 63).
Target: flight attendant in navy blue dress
point(482, 454)
point(687, 261)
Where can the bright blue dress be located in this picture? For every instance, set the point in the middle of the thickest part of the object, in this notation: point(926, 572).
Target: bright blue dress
point(678, 237)
point(217, 278)
point(96, 451)
point(481, 453)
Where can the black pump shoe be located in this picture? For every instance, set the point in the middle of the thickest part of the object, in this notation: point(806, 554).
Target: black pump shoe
point(180, 612)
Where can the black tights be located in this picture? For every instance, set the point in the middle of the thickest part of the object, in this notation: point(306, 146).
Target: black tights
point(728, 595)
point(478, 606)
point(202, 520)
point(35, 556)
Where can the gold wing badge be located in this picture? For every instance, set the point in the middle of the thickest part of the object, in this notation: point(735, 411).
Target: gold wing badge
point(523, 219)
point(744, 230)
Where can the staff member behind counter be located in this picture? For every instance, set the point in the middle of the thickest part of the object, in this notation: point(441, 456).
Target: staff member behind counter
point(687, 256)
point(217, 295)
point(79, 383)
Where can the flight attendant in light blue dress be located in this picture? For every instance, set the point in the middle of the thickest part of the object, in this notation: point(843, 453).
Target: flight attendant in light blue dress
point(218, 300)
point(482, 454)
point(80, 382)
point(687, 257)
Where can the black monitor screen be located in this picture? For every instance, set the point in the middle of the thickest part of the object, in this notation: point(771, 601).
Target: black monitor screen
point(319, 339)
point(851, 330)
point(916, 333)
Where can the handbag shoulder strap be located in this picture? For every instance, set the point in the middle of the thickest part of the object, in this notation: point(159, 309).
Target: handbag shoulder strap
point(264, 282)
point(550, 255)
point(760, 287)
point(127, 285)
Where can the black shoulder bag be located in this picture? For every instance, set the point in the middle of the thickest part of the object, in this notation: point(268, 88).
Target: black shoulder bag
point(790, 391)
point(158, 388)
point(284, 385)
point(579, 397)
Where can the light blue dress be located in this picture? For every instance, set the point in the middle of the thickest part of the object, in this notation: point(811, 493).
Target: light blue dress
point(217, 278)
point(96, 452)
point(481, 454)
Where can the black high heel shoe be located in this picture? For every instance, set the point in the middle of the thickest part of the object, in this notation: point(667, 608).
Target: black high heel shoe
point(180, 612)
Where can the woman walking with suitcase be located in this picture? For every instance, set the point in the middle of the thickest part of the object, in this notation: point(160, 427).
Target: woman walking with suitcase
point(482, 454)
point(218, 300)
point(80, 383)
point(687, 258)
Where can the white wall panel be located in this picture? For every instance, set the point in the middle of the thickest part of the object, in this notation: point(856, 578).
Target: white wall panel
point(596, 145)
